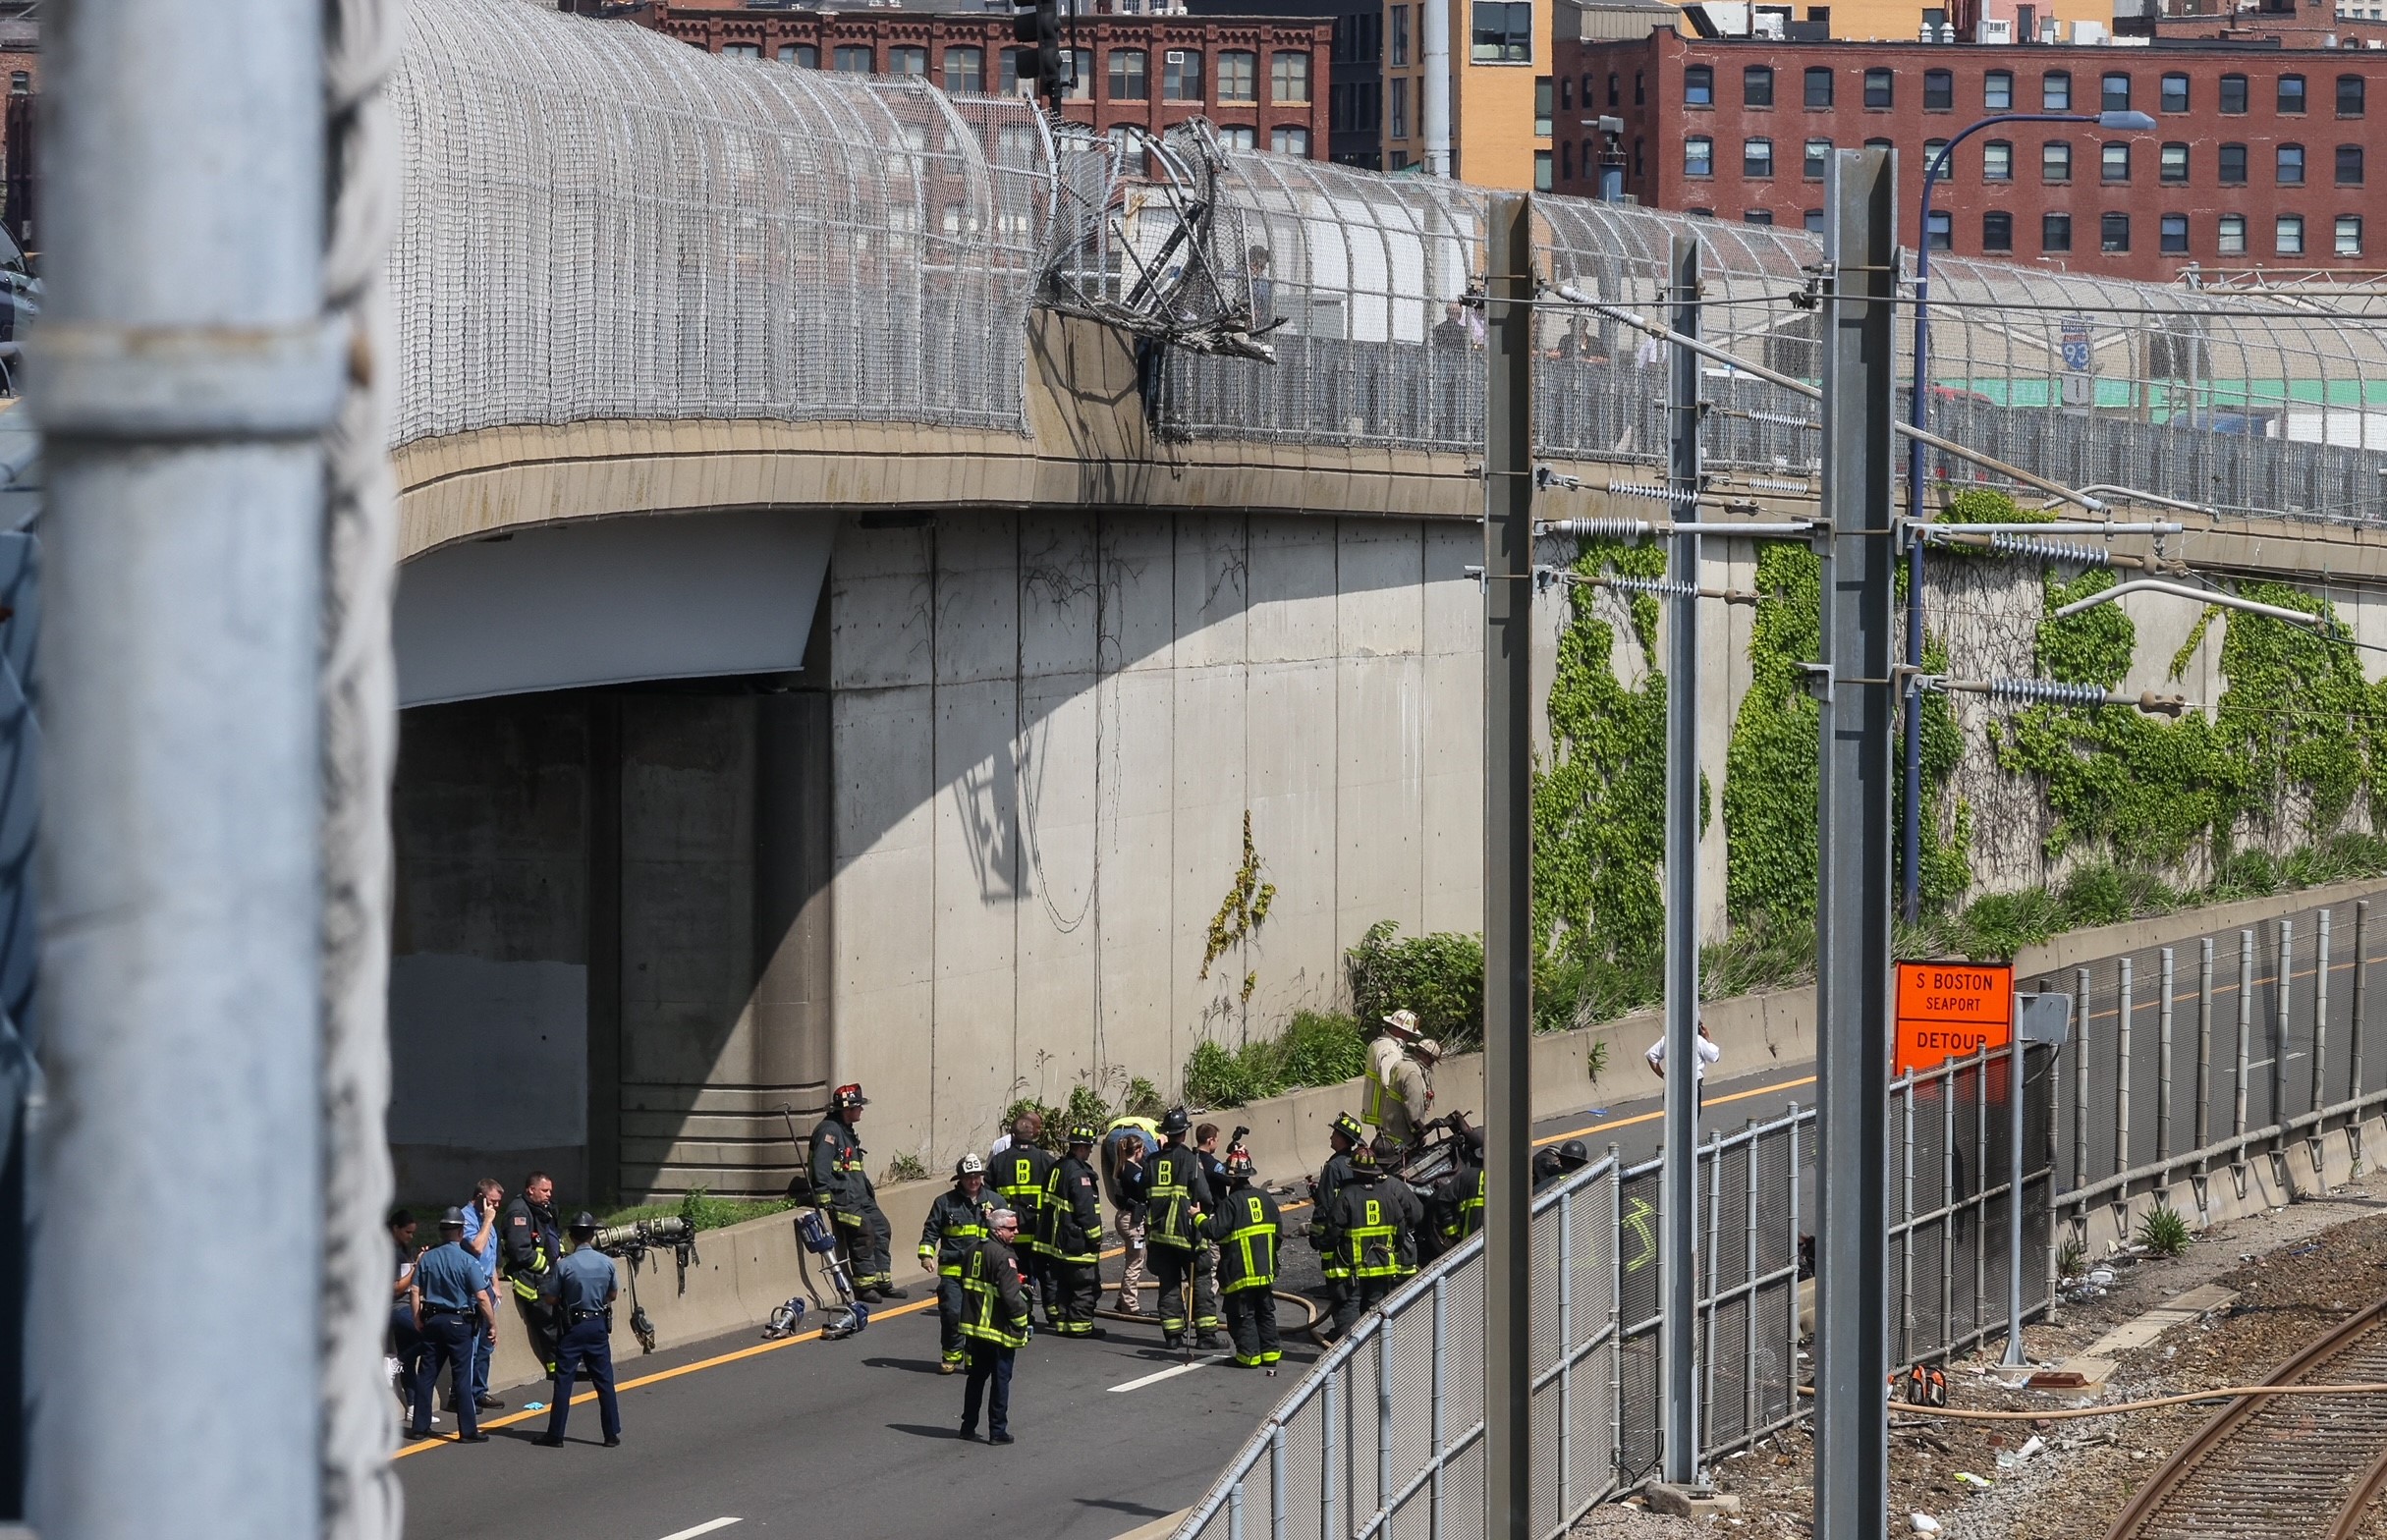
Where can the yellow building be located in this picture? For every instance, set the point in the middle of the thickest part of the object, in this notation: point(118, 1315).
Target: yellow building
point(1501, 98)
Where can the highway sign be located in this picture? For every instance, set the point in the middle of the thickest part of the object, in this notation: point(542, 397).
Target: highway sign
point(1951, 1011)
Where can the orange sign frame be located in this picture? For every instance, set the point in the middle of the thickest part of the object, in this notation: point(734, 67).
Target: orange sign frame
point(1951, 1011)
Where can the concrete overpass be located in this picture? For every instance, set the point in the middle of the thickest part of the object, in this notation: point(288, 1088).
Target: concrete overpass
point(827, 661)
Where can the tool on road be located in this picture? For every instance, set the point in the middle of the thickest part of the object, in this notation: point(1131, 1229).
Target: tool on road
point(815, 1236)
point(632, 1242)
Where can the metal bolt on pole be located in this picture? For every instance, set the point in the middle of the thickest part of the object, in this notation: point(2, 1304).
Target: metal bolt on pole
point(1855, 889)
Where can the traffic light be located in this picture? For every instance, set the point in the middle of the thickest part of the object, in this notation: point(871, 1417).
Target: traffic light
point(1038, 27)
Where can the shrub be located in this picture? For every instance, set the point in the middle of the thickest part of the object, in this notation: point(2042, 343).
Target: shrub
point(905, 1168)
point(2163, 1233)
point(1439, 976)
point(1315, 1048)
point(1216, 1075)
point(1321, 1048)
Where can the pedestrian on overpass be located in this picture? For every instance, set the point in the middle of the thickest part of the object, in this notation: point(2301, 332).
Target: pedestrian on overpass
point(1179, 1194)
point(1248, 1230)
point(956, 1223)
point(585, 1285)
point(1020, 1175)
point(451, 1306)
point(996, 1326)
point(841, 1188)
point(1127, 1148)
point(1073, 1238)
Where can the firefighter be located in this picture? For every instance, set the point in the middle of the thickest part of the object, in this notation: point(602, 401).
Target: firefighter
point(956, 1223)
point(1020, 1175)
point(995, 1325)
point(1375, 1224)
point(1384, 1052)
point(1072, 1241)
point(1248, 1230)
point(1344, 1135)
point(530, 1245)
point(841, 1188)
point(1177, 1194)
point(1459, 1198)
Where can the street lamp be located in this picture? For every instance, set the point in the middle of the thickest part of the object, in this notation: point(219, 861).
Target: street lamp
point(1912, 845)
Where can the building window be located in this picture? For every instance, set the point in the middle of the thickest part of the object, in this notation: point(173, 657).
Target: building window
point(20, 82)
point(1613, 97)
point(1399, 161)
point(965, 71)
point(2232, 165)
point(1504, 32)
point(1880, 144)
point(2287, 236)
point(2233, 95)
point(853, 59)
point(1941, 225)
point(2174, 235)
point(2113, 93)
point(1238, 72)
point(2174, 95)
point(2055, 161)
point(1997, 91)
point(1399, 107)
point(1817, 155)
point(2055, 231)
point(1939, 91)
point(1878, 88)
point(1130, 147)
point(1129, 80)
point(805, 56)
point(1813, 219)
point(1931, 152)
point(2291, 94)
point(2112, 163)
point(2349, 235)
point(2291, 165)
point(1758, 216)
point(2113, 232)
point(1699, 156)
point(1997, 232)
point(2172, 163)
point(1997, 161)
point(1699, 86)
point(2055, 92)
point(1400, 39)
point(1081, 85)
point(2229, 236)
point(1640, 92)
point(2350, 165)
point(1243, 137)
point(1566, 160)
point(1181, 75)
point(1757, 157)
point(1289, 82)
point(739, 51)
point(2348, 95)
point(1541, 108)
point(1542, 171)
point(907, 61)
point(1819, 87)
point(1290, 142)
point(1757, 86)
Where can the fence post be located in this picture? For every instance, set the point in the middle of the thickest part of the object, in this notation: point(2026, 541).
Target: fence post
point(1384, 1416)
point(2122, 1067)
point(1566, 1347)
point(1434, 1401)
point(1905, 1225)
point(1947, 1201)
point(1332, 1447)
point(2079, 1078)
point(2163, 1063)
point(2245, 1031)
point(2361, 989)
point(1980, 1183)
point(2279, 1036)
point(1749, 1314)
point(1616, 1316)
point(2321, 1020)
point(1278, 1519)
point(2204, 1044)
point(1708, 1338)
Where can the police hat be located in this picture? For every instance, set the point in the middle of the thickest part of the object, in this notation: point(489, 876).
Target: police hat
point(454, 1216)
point(584, 1220)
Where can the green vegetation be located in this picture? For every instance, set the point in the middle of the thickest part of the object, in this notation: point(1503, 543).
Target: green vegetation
point(906, 1167)
point(1316, 1048)
point(701, 1209)
point(2163, 1233)
point(1439, 976)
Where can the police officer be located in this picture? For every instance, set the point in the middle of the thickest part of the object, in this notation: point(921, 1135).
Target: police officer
point(996, 1326)
point(585, 1287)
point(1247, 1230)
point(1073, 1238)
point(1178, 1192)
point(1375, 1224)
point(1020, 1175)
point(842, 1188)
point(529, 1246)
point(956, 1223)
point(1458, 1210)
point(451, 1310)
point(1344, 1135)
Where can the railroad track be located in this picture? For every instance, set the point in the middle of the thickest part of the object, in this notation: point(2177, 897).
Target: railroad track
point(2298, 1468)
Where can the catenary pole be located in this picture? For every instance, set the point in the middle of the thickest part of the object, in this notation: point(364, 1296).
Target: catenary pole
point(183, 375)
point(1860, 698)
point(1508, 890)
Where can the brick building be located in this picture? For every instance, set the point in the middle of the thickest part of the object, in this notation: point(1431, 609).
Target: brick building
point(2259, 155)
point(1259, 79)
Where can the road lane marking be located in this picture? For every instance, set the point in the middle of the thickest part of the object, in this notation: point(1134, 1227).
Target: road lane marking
point(1604, 1125)
point(1166, 1374)
point(705, 1528)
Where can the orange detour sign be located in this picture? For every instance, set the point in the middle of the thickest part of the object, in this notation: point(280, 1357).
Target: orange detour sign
point(1951, 1011)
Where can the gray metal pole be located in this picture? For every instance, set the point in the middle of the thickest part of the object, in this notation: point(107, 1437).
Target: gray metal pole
point(2122, 1068)
point(2204, 1044)
point(2361, 995)
point(2018, 1062)
point(184, 379)
point(1434, 90)
point(2163, 1062)
point(2246, 1035)
point(1507, 889)
point(2279, 1032)
point(1854, 892)
point(1678, 1411)
point(2320, 1017)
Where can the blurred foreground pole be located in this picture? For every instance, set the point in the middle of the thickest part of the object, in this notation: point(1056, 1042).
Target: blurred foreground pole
point(1508, 884)
point(1859, 699)
point(183, 375)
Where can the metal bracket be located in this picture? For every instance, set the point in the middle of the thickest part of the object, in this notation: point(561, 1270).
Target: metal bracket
point(2312, 1151)
point(2278, 1174)
point(2238, 1176)
point(2203, 1186)
point(1818, 680)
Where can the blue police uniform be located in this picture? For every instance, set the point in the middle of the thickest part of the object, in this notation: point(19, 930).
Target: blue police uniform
point(586, 1289)
point(448, 1276)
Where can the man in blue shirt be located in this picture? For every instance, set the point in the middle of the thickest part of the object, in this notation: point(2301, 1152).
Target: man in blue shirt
point(585, 1286)
point(450, 1307)
point(480, 1243)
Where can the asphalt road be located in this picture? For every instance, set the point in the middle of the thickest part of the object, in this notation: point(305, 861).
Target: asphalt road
point(857, 1438)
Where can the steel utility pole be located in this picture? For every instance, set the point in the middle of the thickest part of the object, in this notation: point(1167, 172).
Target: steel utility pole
point(1679, 1185)
point(1859, 702)
point(1508, 886)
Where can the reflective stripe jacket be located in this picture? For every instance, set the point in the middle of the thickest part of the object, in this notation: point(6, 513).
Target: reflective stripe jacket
point(838, 1178)
point(1460, 1204)
point(1383, 1052)
point(956, 1223)
point(1019, 1174)
point(1375, 1227)
point(1247, 1230)
point(529, 1247)
point(997, 1307)
point(1073, 1213)
point(1176, 1185)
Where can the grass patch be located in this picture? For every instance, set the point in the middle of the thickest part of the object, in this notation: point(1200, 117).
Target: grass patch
point(701, 1209)
point(1315, 1048)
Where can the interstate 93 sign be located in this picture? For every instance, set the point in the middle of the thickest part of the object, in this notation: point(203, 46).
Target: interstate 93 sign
point(1951, 1011)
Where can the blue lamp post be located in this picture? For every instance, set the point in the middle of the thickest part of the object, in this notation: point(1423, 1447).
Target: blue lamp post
point(1918, 410)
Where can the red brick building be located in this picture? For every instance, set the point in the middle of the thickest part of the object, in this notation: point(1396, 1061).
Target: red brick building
point(1261, 80)
point(2260, 155)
